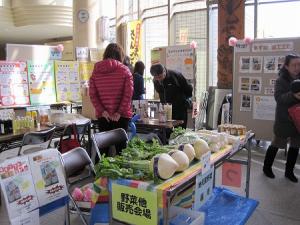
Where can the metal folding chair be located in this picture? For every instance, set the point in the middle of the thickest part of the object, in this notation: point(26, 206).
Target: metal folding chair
point(75, 161)
point(109, 139)
point(36, 138)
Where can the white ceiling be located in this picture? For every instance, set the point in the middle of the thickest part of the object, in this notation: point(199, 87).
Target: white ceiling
point(33, 34)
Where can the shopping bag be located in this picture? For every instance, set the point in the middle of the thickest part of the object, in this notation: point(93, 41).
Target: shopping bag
point(294, 113)
point(67, 144)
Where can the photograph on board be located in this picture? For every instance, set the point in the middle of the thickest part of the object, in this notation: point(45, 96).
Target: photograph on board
point(244, 64)
point(270, 64)
point(256, 64)
point(246, 102)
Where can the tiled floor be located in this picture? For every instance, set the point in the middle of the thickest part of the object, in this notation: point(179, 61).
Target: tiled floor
point(279, 199)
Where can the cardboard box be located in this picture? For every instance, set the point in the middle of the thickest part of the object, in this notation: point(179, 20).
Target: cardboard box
point(88, 109)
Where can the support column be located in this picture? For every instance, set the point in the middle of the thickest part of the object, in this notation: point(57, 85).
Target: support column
point(231, 20)
point(86, 14)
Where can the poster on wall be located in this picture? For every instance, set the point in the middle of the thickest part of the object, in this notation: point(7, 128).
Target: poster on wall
point(48, 176)
point(13, 84)
point(41, 82)
point(67, 81)
point(264, 107)
point(134, 40)
point(181, 59)
point(17, 187)
point(85, 71)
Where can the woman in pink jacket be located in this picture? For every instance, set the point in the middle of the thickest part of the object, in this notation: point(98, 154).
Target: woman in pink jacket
point(111, 89)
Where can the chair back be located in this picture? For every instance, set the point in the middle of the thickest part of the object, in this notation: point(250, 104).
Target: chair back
point(81, 130)
point(75, 161)
point(37, 137)
point(110, 138)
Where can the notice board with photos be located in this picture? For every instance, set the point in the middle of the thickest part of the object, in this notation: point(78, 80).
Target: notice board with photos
point(255, 71)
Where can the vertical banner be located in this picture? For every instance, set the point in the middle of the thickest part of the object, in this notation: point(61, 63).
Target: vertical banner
point(67, 81)
point(231, 15)
point(135, 43)
point(41, 82)
point(85, 71)
point(13, 84)
point(134, 206)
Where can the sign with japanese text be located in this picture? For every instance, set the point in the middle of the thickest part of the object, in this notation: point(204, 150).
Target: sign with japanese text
point(67, 81)
point(17, 187)
point(29, 182)
point(135, 43)
point(82, 53)
point(49, 181)
point(134, 206)
point(204, 187)
point(181, 59)
point(41, 82)
point(13, 84)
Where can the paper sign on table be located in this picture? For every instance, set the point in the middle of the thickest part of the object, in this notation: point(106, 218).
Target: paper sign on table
point(31, 218)
point(17, 186)
point(203, 188)
point(205, 160)
point(134, 206)
point(48, 176)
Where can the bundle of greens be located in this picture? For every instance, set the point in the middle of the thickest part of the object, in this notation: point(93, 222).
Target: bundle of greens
point(133, 163)
point(176, 132)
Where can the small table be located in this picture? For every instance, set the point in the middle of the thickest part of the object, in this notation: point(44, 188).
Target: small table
point(144, 126)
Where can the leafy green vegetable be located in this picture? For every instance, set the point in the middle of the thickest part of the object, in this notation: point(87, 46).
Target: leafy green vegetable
point(176, 132)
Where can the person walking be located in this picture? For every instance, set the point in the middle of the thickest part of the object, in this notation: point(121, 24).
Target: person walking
point(284, 130)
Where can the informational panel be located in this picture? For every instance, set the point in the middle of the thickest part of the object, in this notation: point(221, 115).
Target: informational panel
point(256, 68)
point(85, 71)
point(13, 84)
point(67, 81)
point(31, 181)
point(41, 82)
point(182, 59)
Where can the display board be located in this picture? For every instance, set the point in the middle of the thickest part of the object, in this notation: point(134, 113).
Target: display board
point(41, 82)
point(31, 181)
point(13, 84)
point(85, 71)
point(181, 58)
point(67, 81)
point(256, 67)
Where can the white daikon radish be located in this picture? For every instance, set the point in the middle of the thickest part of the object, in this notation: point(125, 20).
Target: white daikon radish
point(181, 158)
point(163, 166)
point(189, 150)
point(214, 147)
point(201, 147)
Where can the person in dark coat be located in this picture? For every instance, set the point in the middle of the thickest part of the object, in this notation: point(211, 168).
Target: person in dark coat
point(172, 88)
point(138, 81)
point(284, 128)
